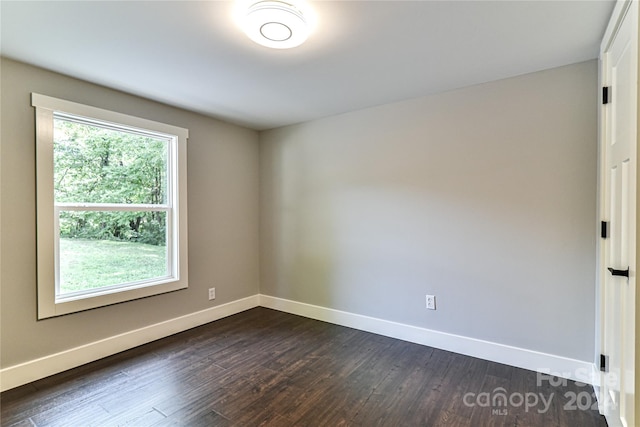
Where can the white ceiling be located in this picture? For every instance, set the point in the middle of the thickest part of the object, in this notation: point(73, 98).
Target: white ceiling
point(364, 53)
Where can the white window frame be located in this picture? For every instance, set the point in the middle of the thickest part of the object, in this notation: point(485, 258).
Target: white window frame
point(49, 304)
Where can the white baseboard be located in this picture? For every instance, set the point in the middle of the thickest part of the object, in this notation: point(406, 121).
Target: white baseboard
point(563, 367)
point(17, 375)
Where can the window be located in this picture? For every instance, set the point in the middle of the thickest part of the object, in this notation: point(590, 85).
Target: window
point(112, 207)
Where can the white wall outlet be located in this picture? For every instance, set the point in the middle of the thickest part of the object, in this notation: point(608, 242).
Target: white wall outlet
point(431, 302)
point(212, 293)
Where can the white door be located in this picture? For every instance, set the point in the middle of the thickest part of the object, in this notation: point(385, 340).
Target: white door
point(618, 188)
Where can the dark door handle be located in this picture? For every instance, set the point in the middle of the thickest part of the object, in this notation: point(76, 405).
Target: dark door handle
point(623, 273)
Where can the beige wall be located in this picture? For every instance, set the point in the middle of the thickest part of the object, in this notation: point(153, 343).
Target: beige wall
point(223, 218)
point(484, 196)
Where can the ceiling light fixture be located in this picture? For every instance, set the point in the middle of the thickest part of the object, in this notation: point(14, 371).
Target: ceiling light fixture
point(276, 24)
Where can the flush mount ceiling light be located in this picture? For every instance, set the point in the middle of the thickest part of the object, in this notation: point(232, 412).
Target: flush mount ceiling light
point(276, 24)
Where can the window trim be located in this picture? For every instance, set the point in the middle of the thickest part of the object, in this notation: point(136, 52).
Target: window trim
point(46, 221)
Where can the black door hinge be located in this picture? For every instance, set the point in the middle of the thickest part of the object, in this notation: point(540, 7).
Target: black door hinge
point(604, 229)
point(606, 96)
point(604, 363)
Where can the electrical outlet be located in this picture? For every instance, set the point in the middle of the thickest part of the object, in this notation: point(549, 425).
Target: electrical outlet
point(431, 302)
point(212, 293)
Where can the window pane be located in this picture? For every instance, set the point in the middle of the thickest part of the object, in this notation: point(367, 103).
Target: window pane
point(100, 249)
point(94, 164)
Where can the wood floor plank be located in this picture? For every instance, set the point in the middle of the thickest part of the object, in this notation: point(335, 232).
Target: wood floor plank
point(267, 368)
point(432, 396)
point(194, 416)
point(22, 423)
point(390, 392)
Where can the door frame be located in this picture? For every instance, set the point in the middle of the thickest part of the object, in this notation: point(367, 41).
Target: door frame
point(620, 11)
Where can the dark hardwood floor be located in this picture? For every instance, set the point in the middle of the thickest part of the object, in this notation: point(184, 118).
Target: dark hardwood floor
point(264, 367)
